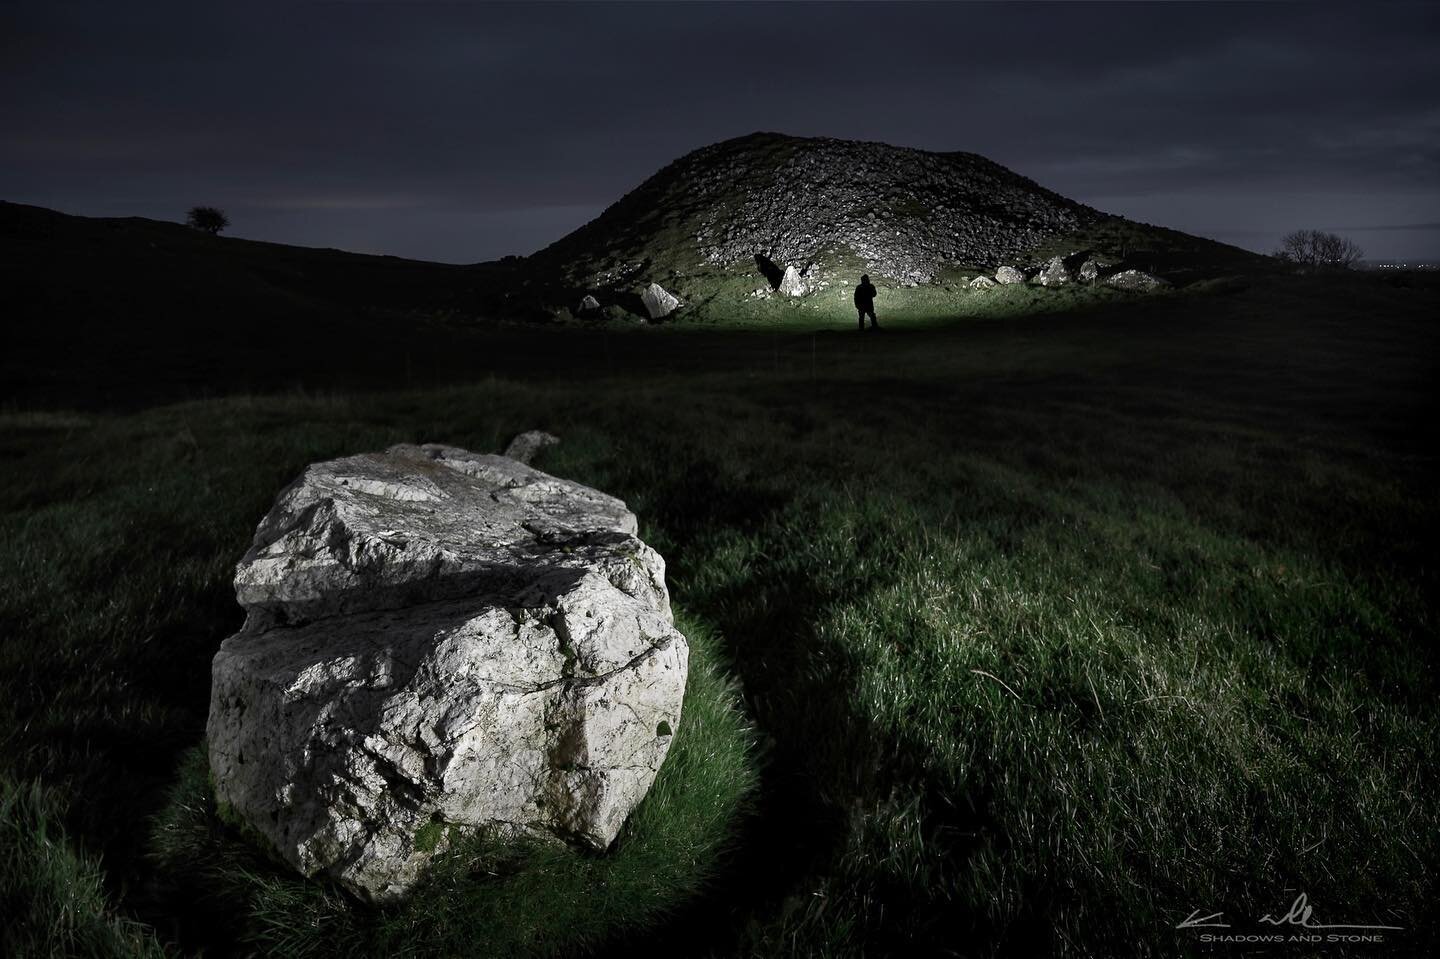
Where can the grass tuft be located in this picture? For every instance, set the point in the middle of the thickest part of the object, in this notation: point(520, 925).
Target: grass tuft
point(52, 895)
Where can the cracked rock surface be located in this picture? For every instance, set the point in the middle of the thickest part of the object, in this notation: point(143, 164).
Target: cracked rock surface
point(437, 642)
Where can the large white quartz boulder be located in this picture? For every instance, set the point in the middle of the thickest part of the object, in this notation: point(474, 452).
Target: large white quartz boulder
point(439, 642)
point(1006, 275)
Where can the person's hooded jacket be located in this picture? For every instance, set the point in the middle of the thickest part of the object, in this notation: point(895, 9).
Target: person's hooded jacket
point(865, 294)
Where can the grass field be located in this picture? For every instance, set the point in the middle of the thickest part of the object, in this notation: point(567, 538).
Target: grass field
point(1021, 635)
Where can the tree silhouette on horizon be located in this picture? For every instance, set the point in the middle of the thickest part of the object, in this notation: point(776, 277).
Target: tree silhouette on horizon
point(207, 219)
point(1316, 249)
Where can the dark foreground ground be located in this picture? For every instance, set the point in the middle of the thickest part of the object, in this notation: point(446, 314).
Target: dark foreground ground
point(1020, 636)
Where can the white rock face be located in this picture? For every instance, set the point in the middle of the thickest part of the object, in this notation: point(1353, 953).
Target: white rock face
point(659, 302)
point(1055, 273)
point(437, 642)
point(588, 304)
point(790, 283)
point(1137, 280)
point(982, 283)
point(1008, 274)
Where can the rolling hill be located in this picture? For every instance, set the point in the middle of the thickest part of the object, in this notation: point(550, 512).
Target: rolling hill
point(122, 303)
point(116, 305)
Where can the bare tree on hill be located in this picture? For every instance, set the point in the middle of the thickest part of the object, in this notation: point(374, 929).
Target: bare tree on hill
point(1315, 249)
point(207, 219)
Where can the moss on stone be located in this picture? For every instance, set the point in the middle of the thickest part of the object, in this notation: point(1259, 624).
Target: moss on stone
point(428, 836)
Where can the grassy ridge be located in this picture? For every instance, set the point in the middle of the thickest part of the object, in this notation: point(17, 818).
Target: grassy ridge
point(1055, 628)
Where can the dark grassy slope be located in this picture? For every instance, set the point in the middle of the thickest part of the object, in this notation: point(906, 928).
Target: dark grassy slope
point(1057, 628)
point(116, 310)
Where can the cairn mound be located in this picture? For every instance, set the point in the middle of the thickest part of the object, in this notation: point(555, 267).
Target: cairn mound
point(905, 214)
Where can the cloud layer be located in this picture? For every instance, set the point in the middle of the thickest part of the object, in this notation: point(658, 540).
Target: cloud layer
point(462, 133)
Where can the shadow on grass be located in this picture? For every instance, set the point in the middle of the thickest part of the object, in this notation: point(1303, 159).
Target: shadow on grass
point(825, 764)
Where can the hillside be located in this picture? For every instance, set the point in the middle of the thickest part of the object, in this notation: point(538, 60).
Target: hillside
point(115, 259)
point(123, 302)
point(133, 309)
point(724, 221)
point(908, 213)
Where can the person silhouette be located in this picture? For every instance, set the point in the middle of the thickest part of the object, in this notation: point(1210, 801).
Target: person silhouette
point(865, 302)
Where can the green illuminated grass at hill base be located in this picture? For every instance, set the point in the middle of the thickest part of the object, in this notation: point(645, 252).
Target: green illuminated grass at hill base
point(1051, 631)
point(740, 296)
point(937, 304)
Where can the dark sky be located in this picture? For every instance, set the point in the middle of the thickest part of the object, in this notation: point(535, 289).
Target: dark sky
point(462, 132)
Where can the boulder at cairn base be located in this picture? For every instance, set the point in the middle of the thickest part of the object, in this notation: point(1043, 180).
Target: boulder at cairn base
point(790, 283)
point(439, 642)
point(1055, 273)
point(1092, 269)
point(1008, 274)
point(981, 283)
point(659, 302)
point(1137, 281)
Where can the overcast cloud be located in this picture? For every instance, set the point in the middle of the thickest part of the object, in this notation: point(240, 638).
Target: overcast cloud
point(464, 132)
